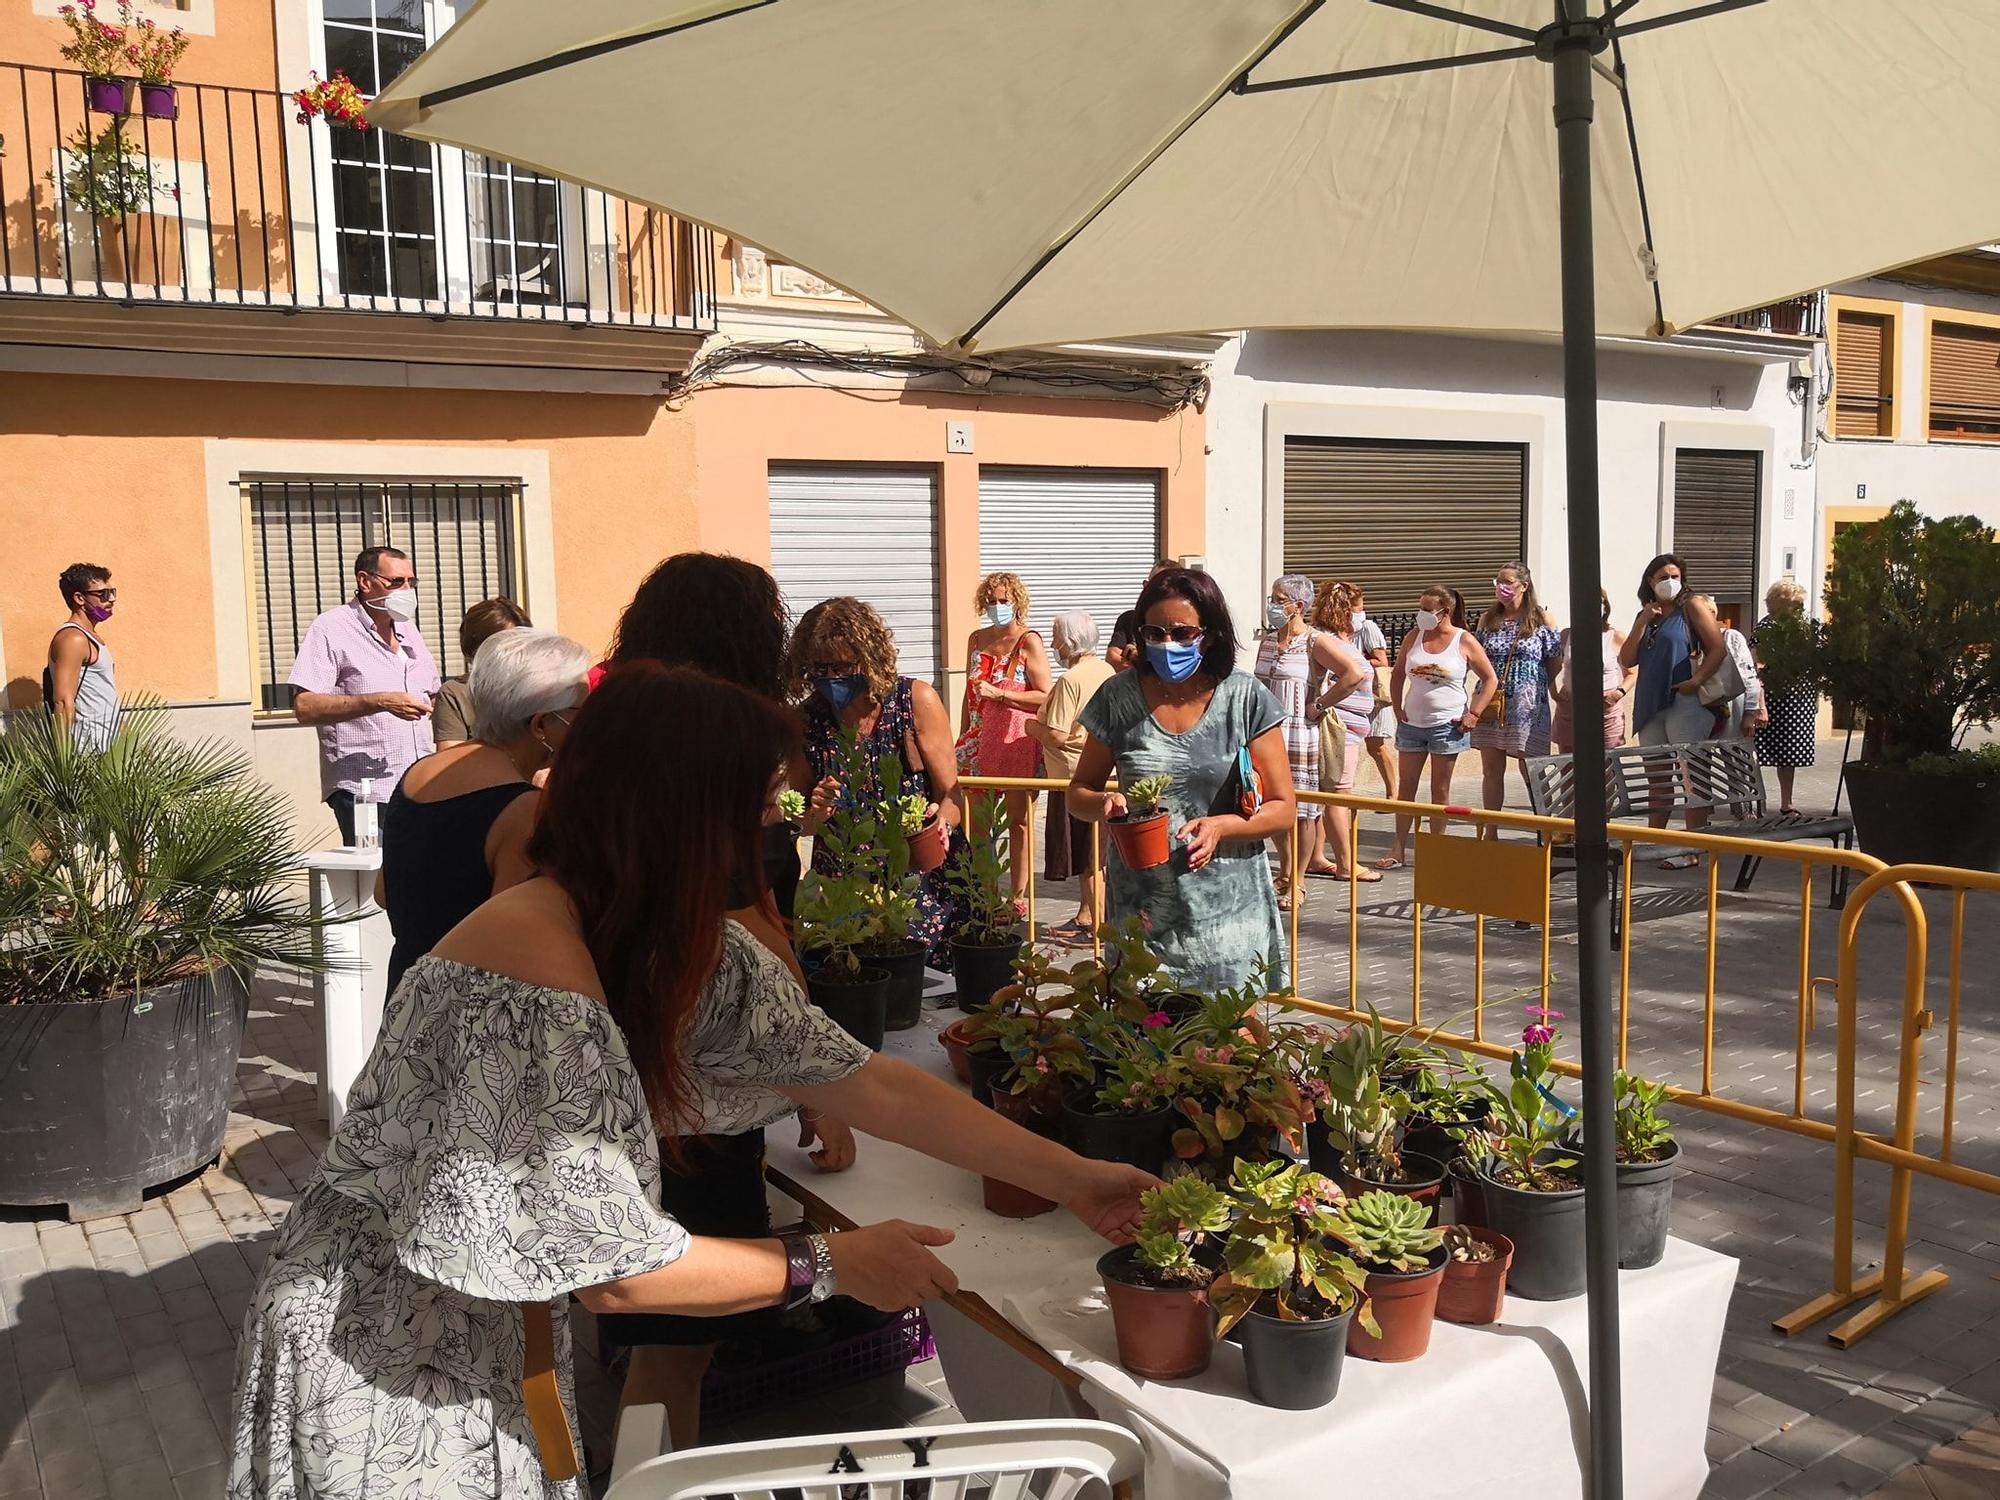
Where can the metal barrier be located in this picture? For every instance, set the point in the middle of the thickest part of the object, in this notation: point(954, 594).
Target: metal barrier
point(1512, 879)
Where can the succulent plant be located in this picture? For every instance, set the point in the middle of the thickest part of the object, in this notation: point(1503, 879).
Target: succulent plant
point(1142, 797)
point(1177, 1216)
point(791, 805)
point(1389, 1231)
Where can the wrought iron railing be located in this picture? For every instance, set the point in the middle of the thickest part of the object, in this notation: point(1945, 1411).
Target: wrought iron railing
point(1801, 317)
point(222, 196)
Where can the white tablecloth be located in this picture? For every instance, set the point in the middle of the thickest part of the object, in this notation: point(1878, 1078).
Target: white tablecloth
point(1495, 1412)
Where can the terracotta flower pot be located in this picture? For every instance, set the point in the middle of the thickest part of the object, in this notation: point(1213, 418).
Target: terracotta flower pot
point(1164, 1333)
point(1475, 1291)
point(1142, 842)
point(1424, 1180)
point(1011, 1202)
point(928, 845)
point(956, 1039)
point(1405, 1306)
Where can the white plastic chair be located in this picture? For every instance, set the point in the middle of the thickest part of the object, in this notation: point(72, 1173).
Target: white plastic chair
point(1050, 1460)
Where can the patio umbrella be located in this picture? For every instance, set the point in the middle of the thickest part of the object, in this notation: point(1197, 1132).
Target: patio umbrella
point(1009, 173)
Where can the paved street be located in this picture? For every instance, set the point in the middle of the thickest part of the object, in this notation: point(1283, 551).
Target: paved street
point(115, 1362)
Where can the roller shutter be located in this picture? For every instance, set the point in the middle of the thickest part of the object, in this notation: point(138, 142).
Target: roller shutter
point(1715, 525)
point(1079, 538)
point(1965, 381)
point(869, 530)
point(1864, 359)
point(1396, 517)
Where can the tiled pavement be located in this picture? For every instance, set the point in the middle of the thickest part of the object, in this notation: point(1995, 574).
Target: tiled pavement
point(115, 1336)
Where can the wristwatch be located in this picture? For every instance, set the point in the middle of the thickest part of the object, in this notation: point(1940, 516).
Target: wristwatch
point(808, 1268)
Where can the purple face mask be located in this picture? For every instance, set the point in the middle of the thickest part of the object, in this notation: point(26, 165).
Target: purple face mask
point(97, 614)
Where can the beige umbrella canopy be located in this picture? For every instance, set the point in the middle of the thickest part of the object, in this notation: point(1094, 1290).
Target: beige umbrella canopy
point(1038, 171)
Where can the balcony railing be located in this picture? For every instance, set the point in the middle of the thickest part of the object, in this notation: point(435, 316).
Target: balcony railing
point(1801, 317)
point(231, 200)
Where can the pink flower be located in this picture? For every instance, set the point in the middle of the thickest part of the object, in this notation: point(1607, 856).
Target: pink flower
point(1224, 1054)
point(1305, 1203)
point(1202, 1054)
point(1154, 1019)
point(1041, 1065)
point(1538, 1036)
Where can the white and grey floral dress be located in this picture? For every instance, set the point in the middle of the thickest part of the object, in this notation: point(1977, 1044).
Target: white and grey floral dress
point(497, 1150)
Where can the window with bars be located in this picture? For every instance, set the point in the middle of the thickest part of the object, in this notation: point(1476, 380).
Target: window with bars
point(305, 531)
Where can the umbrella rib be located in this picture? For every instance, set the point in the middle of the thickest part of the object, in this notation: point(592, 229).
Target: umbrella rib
point(1460, 18)
point(574, 55)
point(1699, 12)
point(1638, 171)
point(1387, 70)
point(1271, 44)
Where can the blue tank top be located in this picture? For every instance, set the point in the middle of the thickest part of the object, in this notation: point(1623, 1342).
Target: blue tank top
point(1666, 660)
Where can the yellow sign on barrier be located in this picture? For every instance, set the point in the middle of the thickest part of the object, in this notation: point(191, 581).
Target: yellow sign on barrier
point(1489, 877)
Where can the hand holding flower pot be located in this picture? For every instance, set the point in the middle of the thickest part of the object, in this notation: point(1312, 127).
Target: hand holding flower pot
point(1141, 833)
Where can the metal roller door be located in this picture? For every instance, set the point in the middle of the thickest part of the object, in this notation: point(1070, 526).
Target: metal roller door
point(869, 530)
point(1715, 526)
point(1079, 538)
point(1396, 517)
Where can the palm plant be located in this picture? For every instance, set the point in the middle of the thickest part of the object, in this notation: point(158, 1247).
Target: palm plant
point(154, 861)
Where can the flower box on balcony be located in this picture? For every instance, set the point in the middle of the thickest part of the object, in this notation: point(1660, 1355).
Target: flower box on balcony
point(158, 101)
point(108, 96)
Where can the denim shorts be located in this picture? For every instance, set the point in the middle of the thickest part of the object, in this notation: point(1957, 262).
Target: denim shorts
point(1448, 738)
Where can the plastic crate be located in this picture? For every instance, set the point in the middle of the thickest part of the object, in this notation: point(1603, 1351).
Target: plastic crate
point(730, 1392)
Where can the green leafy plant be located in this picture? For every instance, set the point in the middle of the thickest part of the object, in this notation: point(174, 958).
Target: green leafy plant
point(865, 846)
point(1241, 1099)
point(154, 861)
point(1341, 1075)
point(911, 812)
point(1030, 1020)
point(104, 173)
point(1912, 616)
point(1142, 797)
point(1528, 1122)
point(833, 920)
point(1389, 1231)
point(1175, 1220)
point(1985, 761)
point(1643, 1133)
point(978, 877)
point(1286, 1253)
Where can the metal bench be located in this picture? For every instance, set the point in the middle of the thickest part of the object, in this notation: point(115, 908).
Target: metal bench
point(1721, 777)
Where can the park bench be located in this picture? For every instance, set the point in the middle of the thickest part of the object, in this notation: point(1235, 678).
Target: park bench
point(1721, 777)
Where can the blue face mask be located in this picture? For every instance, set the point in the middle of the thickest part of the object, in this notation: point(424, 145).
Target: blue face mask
point(841, 691)
point(1274, 616)
point(1173, 661)
point(1000, 614)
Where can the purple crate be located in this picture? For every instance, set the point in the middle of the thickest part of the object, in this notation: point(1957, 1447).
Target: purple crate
point(730, 1393)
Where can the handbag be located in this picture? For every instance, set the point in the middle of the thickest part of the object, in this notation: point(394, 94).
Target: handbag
point(1495, 711)
point(1383, 677)
point(1249, 785)
point(1724, 684)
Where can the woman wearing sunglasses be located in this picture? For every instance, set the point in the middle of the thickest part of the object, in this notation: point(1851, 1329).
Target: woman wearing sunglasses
point(1186, 712)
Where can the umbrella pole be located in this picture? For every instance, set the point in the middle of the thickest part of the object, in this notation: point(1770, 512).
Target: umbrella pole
point(1573, 43)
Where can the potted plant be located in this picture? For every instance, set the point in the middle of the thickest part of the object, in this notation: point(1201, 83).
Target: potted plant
point(866, 844)
point(1157, 1286)
point(1912, 614)
point(104, 174)
point(335, 100)
point(1648, 1159)
point(1391, 1236)
point(1240, 1099)
point(987, 939)
point(1528, 1182)
point(833, 919)
point(1355, 1136)
point(140, 889)
point(1141, 834)
point(155, 54)
point(958, 1039)
point(1474, 1287)
point(1124, 1111)
point(98, 48)
point(1290, 1284)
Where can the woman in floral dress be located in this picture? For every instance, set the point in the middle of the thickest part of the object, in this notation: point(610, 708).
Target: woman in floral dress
point(843, 660)
point(1524, 647)
point(500, 1152)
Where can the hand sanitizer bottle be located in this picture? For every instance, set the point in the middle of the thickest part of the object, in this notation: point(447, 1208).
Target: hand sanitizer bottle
point(367, 828)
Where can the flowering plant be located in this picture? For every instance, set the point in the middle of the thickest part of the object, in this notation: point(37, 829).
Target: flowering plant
point(1044, 1052)
point(1288, 1249)
point(335, 99)
point(1241, 1098)
point(94, 46)
point(1138, 1066)
point(155, 53)
point(1527, 1121)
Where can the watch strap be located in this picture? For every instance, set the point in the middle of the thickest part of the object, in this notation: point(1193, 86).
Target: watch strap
point(801, 1268)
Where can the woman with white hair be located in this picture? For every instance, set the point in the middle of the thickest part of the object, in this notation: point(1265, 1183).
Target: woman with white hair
point(1289, 658)
point(456, 830)
point(1073, 637)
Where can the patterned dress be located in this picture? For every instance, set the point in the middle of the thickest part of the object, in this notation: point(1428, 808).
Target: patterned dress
point(1791, 738)
point(1286, 669)
point(1214, 926)
point(895, 733)
point(497, 1150)
point(1525, 684)
point(995, 740)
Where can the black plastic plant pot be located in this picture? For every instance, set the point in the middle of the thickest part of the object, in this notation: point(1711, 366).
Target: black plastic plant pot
point(979, 969)
point(1547, 1231)
point(1142, 1140)
point(1179, 1008)
point(1320, 1155)
point(1468, 1193)
point(1429, 1137)
point(858, 1006)
point(1645, 1208)
point(903, 1006)
point(1294, 1365)
point(103, 1099)
point(986, 1060)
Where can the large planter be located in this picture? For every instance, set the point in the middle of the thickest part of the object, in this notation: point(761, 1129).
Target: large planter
point(1164, 1333)
point(858, 1006)
point(1405, 1306)
point(1547, 1231)
point(1904, 819)
point(1423, 1180)
point(1645, 1208)
point(978, 969)
point(903, 1002)
point(102, 1099)
point(1473, 1292)
point(1141, 842)
point(1295, 1365)
point(1143, 1140)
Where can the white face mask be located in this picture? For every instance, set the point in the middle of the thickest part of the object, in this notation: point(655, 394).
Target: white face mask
point(399, 604)
point(1360, 618)
point(1666, 590)
point(1428, 619)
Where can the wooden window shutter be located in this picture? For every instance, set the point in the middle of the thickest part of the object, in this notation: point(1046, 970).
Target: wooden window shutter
point(1965, 381)
point(1864, 363)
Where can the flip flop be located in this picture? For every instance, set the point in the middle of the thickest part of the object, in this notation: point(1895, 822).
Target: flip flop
point(1388, 862)
point(1366, 876)
point(1323, 872)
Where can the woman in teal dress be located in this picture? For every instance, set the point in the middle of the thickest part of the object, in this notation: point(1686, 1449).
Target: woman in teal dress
point(1184, 711)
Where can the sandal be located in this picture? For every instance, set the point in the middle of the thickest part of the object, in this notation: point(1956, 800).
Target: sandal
point(1324, 872)
point(1388, 862)
point(1679, 862)
point(1365, 875)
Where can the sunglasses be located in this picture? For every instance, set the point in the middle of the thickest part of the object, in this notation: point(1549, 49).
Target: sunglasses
point(1180, 635)
point(109, 596)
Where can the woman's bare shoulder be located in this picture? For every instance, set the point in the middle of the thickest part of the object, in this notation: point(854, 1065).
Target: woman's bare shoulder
point(527, 932)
